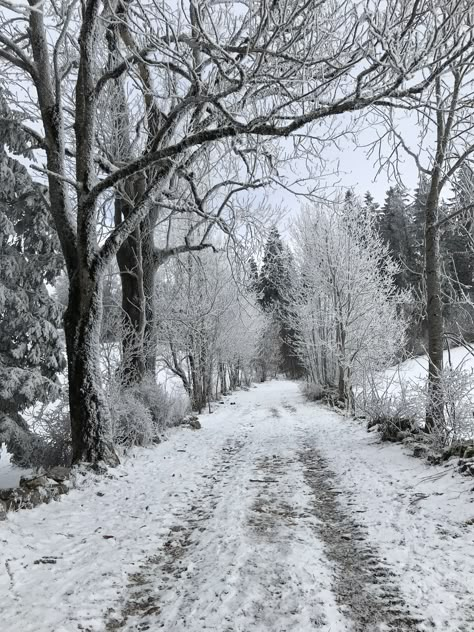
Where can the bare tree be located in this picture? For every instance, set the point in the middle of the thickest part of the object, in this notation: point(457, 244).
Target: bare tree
point(209, 325)
point(344, 300)
point(445, 142)
point(241, 71)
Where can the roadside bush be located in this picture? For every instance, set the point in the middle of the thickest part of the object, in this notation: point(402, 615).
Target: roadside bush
point(132, 422)
point(52, 428)
point(399, 406)
point(142, 413)
point(165, 409)
point(395, 406)
point(45, 441)
point(313, 392)
point(180, 407)
point(457, 386)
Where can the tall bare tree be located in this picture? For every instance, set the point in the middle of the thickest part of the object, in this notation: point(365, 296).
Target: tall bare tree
point(445, 143)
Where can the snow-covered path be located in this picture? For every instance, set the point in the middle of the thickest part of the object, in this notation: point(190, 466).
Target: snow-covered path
point(278, 515)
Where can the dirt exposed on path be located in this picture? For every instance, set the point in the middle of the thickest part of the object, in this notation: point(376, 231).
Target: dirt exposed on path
point(142, 605)
point(365, 587)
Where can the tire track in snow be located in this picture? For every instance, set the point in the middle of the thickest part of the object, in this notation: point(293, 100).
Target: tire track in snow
point(268, 564)
point(145, 596)
point(234, 567)
point(365, 586)
point(278, 521)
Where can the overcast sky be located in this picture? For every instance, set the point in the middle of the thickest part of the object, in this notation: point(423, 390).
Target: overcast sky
point(348, 164)
point(358, 172)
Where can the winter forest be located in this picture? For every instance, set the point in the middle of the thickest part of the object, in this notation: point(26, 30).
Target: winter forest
point(237, 315)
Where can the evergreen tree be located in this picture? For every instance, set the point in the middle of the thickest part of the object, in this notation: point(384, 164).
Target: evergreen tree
point(350, 198)
point(458, 258)
point(370, 208)
point(273, 290)
point(417, 226)
point(30, 348)
point(271, 282)
point(253, 274)
point(463, 199)
point(290, 362)
point(457, 239)
point(394, 227)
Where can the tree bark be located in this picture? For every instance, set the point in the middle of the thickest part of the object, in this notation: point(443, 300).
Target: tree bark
point(90, 417)
point(434, 410)
point(196, 399)
point(340, 341)
point(129, 261)
point(150, 268)
point(89, 412)
point(137, 264)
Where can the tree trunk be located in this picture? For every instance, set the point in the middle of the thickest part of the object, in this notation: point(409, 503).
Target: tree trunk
point(133, 363)
point(434, 410)
point(222, 376)
point(89, 412)
point(137, 268)
point(196, 398)
point(341, 342)
point(150, 269)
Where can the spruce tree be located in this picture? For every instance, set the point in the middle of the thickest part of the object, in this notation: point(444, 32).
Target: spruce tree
point(253, 274)
point(457, 238)
point(273, 291)
point(394, 226)
point(370, 208)
point(271, 283)
point(417, 226)
point(30, 348)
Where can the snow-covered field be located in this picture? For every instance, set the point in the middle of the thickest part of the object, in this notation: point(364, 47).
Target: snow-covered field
point(278, 515)
point(400, 391)
point(414, 371)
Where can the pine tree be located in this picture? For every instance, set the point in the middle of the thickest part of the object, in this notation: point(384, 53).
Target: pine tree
point(273, 291)
point(394, 227)
point(272, 275)
point(30, 347)
point(457, 238)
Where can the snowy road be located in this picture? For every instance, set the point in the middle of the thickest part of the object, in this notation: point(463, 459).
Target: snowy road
point(277, 516)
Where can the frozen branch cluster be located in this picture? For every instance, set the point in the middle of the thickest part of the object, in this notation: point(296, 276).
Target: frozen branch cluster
point(344, 305)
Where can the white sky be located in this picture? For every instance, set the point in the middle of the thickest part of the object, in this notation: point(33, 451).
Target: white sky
point(346, 164)
point(348, 168)
point(359, 172)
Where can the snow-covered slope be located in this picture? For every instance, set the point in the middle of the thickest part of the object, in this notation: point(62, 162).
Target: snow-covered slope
point(400, 391)
point(415, 370)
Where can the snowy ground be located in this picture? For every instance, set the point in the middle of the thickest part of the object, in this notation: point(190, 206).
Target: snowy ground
point(413, 372)
point(277, 516)
point(9, 473)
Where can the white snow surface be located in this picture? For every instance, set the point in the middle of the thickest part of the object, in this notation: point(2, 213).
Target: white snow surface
point(415, 370)
point(216, 529)
point(10, 474)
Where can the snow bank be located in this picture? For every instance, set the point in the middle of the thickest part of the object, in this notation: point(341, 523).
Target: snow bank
point(414, 371)
point(9, 473)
